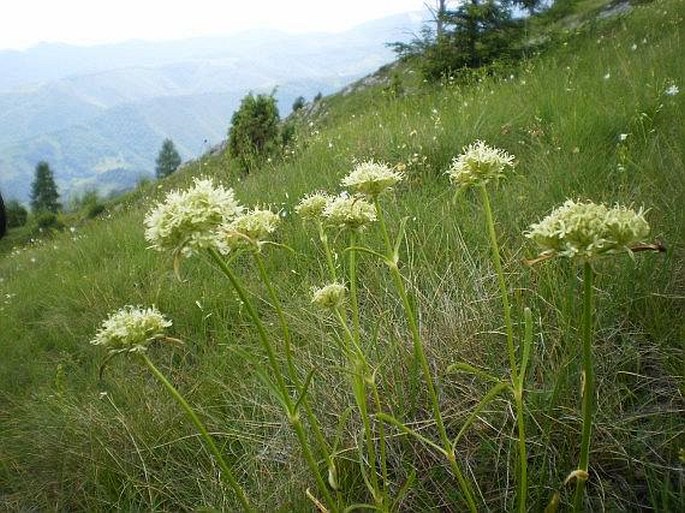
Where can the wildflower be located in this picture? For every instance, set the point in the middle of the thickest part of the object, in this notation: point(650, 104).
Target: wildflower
point(131, 329)
point(352, 212)
point(587, 230)
point(372, 178)
point(622, 137)
point(187, 221)
point(479, 164)
point(672, 90)
point(330, 296)
point(253, 227)
point(313, 205)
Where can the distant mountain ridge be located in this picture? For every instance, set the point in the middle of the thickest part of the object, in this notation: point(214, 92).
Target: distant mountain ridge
point(99, 114)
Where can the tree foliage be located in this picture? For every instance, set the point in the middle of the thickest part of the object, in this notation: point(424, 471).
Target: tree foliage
point(44, 195)
point(299, 103)
point(3, 220)
point(168, 159)
point(254, 133)
point(16, 214)
point(467, 34)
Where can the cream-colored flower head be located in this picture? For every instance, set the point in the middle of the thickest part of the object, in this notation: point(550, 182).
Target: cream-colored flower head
point(131, 329)
point(313, 205)
point(330, 296)
point(351, 212)
point(253, 227)
point(478, 165)
point(372, 178)
point(187, 221)
point(588, 230)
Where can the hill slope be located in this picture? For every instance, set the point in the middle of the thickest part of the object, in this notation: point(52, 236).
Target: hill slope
point(598, 116)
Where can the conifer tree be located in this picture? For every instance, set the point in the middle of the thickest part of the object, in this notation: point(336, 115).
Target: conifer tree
point(44, 195)
point(3, 221)
point(168, 159)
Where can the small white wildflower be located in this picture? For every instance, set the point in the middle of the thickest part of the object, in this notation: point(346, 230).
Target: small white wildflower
point(131, 329)
point(634, 47)
point(372, 178)
point(313, 205)
point(187, 221)
point(587, 230)
point(330, 296)
point(479, 164)
point(253, 227)
point(622, 137)
point(672, 90)
point(351, 212)
point(607, 76)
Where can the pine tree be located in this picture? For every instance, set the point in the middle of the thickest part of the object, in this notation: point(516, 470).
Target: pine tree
point(168, 159)
point(44, 195)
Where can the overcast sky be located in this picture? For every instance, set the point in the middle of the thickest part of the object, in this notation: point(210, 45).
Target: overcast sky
point(25, 23)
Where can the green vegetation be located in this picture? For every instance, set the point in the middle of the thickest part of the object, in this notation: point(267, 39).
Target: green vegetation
point(444, 373)
point(44, 195)
point(254, 133)
point(168, 159)
point(16, 214)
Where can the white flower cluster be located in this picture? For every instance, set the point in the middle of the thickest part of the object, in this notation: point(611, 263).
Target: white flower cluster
point(479, 164)
point(587, 230)
point(313, 205)
point(351, 212)
point(187, 221)
point(131, 329)
point(372, 178)
point(252, 227)
point(330, 296)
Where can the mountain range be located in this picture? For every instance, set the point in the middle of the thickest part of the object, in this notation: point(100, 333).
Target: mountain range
point(98, 115)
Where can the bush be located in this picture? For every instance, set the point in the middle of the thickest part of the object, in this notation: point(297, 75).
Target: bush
point(16, 214)
point(254, 133)
point(47, 221)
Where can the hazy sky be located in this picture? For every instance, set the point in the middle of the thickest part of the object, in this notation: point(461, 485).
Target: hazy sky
point(25, 23)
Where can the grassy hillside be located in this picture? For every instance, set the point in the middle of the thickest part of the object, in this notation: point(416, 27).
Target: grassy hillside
point(596, 116)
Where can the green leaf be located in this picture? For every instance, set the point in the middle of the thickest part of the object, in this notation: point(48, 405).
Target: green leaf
point(494, 392)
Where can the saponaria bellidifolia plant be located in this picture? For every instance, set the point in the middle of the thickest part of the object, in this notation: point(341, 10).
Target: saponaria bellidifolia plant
point(585, 232)
point(208, 220)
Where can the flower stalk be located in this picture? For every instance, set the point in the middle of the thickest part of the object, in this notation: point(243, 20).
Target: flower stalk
point(516, 380)
point(227, 473)
point(588, 389)
point(282, 389)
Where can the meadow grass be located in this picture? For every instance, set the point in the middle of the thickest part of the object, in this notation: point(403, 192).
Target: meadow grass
point(70, 442)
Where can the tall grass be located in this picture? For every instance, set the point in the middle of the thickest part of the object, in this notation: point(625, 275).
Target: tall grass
point(70, 442)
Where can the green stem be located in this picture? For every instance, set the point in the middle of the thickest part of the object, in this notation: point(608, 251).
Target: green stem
point(420, 355)
point(354, 299)
point(517, 384)
point(323, 237)
point(227, 472)
point(289, 359)
point(360, 370)
point(588, 385)
point(497, 261)
point(281, 317)
point(293, 416)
